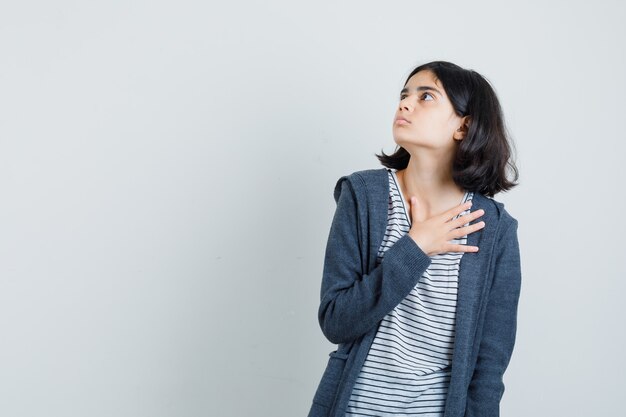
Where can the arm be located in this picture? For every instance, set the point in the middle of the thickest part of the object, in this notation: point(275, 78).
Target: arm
point(352, 302)
point(498, 336)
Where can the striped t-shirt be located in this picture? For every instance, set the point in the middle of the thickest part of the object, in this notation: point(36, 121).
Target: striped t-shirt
point(407, 369)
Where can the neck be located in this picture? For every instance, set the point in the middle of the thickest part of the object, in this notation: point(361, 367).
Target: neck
point(429, 178)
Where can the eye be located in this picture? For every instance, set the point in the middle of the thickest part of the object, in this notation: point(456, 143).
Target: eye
point(403, 96)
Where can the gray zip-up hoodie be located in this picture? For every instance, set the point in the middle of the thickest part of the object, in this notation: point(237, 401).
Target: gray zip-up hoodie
point(356, 295)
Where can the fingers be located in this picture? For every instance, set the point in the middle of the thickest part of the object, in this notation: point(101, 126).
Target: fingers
point(438, 230)
point(449, 214)
point(467, 218)
point(462, 231)
point(413, 202)
point(461, 248)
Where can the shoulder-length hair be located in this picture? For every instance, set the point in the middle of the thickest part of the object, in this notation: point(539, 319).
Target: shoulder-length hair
point(482, 157)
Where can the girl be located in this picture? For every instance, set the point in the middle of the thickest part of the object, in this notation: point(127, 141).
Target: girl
point(421, 276)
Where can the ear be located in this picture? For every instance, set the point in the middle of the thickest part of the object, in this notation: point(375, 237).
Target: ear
point(461, 132)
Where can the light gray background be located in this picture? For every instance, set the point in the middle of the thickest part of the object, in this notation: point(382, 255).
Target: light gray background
point(166, 176)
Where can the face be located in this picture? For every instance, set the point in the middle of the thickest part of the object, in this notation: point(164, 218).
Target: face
point(430, 119)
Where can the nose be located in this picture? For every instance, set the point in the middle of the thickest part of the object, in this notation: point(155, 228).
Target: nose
point(406, 104)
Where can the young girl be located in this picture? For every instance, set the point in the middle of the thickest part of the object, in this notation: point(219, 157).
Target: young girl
point(422, 276)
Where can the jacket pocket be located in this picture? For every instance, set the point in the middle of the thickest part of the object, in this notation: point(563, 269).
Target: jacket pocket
point(329, 384)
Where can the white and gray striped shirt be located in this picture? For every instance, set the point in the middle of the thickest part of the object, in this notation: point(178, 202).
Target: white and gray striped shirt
point(407, 370)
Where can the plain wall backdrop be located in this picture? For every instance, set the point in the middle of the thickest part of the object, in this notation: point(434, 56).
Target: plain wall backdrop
point(166, 178)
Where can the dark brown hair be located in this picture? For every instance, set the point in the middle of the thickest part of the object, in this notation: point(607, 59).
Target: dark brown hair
point(482, 157)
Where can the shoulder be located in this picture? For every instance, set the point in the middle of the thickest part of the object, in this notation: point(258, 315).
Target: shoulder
point(363, 182)
point(495, 209)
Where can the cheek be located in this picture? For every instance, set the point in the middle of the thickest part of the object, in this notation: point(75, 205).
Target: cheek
point(453, 121)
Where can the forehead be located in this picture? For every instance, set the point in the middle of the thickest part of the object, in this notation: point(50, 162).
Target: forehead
point(424, 80)
point(424, 77)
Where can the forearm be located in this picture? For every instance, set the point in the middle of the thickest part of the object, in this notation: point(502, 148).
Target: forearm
point(351, 304)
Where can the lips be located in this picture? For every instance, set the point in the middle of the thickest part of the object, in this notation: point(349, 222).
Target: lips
point(401, 120)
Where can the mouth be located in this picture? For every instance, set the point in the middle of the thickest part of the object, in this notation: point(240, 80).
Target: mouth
point(402, 122)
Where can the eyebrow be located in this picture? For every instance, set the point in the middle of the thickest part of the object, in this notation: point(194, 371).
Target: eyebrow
point(422, 88)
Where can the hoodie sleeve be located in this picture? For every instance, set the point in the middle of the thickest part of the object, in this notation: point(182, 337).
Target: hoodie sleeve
point(351, 301)
point(498, 336)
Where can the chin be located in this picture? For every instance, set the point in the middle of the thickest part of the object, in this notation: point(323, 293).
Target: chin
point(404, 142)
